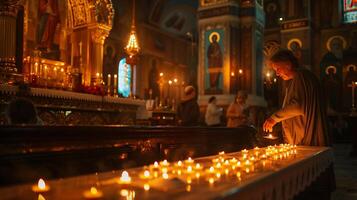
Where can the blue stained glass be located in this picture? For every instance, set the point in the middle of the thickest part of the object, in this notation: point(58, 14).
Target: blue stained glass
point(124, 78)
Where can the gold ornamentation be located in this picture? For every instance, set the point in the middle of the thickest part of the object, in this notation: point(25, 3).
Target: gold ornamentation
point(99, 34)
point(329, 42)
point(289, 46)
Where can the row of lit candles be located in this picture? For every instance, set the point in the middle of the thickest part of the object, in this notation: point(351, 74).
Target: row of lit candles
point(223, 164)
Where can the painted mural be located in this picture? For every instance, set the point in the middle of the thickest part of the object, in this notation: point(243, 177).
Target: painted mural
point(43, 28)
point(214, 48)
point(350, 11)
point(124, 78)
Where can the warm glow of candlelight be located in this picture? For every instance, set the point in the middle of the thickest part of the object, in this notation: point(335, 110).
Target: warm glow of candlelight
point(189, 180)
point(161, 74)
point(211, 169)
point(165, 176)
point(146, 187)
point(189, 169)
point(146, 174)
point(189, 160)
point(156, 164)
point(211, 180)
point(41, 186)
point(92, 193)
point(125, 178)
point(164, 163)
point(238, 174)
point(179, 163)
point(40, 197)
point(188, 188)
point(93, 190)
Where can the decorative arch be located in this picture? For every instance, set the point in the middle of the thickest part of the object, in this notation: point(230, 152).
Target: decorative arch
point(82, 12)
point(270, 47)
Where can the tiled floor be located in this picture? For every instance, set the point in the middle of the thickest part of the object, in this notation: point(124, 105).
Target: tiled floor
point(346, 173)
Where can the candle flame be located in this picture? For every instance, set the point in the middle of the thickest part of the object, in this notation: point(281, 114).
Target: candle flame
point(156, 164)
point(179, 163)
point(146, 173)
point(125, 177)
point(93, 190)
point(41, 184)
point(189, 169)
point(211, 169)
point(211, 180)
point(146, 187)
point(165, 176)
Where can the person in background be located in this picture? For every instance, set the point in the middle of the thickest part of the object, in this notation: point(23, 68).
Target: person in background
point(236, 111)
point(213, 113)
point(22, 111)
point(188, 111)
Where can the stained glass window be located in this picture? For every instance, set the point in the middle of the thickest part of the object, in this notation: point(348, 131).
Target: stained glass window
point(124, 78)
point(350, 11)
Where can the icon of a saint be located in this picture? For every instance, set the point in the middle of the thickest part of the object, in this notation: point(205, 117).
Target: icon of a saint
point(48, 16)
point(215, 62)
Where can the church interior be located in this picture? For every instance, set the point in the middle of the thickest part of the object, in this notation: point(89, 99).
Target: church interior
point(181, 99)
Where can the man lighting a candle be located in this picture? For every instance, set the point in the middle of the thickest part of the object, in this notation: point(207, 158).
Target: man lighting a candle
point(303, 113)
point(303, 116)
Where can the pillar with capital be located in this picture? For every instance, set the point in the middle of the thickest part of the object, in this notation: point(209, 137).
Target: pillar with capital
point(98, 36)
point(11, 39)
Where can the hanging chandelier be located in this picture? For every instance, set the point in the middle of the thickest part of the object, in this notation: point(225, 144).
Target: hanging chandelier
point(132, 48)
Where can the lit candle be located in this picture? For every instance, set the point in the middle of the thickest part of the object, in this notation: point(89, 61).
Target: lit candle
point(146, 187)
point(189, 160)
point(115, 83)
point(93, 193)
point(145, 175)
point(40, 187)
point(109, 79)
point(189, 169)
point(125, 178)
point(238, 174)
point(211, 181)
point(165, 176)
point(164, 163)
point(179, 163)
point(198, 166)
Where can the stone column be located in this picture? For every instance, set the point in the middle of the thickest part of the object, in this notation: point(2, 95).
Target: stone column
point(98, 35)
point(8, 37)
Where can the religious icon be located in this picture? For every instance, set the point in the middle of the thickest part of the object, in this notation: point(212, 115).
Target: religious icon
point(295, 46)
point(215, 61)
point(49, 17)
point(333, 87)
point(336, 45)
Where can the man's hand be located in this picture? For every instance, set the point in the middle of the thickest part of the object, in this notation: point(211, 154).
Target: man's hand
point(269, 124)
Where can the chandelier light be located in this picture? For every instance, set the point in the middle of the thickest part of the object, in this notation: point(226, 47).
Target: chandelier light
point(132, 48)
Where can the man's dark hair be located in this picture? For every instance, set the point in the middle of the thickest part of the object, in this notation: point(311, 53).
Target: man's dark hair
point(285, 56)
point(211, 99)
point(22, 111)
